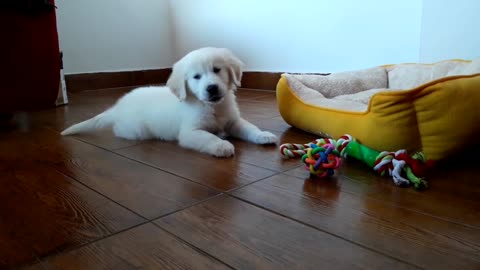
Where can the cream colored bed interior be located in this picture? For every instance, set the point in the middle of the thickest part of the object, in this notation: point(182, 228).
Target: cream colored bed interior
point(352, 90)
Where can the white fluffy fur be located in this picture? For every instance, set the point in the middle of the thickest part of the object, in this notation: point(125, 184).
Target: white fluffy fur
point(183, 110)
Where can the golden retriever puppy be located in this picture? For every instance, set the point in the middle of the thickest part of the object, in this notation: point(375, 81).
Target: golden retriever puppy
point(197, 108)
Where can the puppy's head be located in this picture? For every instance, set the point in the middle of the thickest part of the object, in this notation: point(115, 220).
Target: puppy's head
point(207, 74)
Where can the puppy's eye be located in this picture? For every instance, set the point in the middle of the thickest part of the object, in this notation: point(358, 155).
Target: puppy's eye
point(197, 76)
point(216, 69)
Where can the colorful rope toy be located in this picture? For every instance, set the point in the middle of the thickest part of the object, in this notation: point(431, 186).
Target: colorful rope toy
point(323, 156)
point(322, 160)
point(320, 157)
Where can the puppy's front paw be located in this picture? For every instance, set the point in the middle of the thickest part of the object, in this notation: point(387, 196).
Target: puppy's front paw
point(223, 149)
point(266, 137)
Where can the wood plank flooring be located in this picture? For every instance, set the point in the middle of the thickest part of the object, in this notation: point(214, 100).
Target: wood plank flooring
point(99, 202)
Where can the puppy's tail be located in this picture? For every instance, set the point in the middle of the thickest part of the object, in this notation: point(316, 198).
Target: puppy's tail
point(102, 120)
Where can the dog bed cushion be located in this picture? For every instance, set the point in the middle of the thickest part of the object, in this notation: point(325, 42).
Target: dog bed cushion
point(433, 108)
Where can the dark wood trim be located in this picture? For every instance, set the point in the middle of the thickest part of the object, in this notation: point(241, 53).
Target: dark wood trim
point(265, 80)
point(260, 80)
point(101, 80)
point(92, 81)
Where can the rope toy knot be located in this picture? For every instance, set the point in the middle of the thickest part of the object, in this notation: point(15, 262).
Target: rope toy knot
point(394, 163)
point(322, 159)
point(342, 144)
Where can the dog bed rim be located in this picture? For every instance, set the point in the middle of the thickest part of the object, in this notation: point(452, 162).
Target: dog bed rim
point(383, 93)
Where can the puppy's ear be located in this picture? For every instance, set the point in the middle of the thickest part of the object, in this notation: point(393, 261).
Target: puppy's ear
point(177, 81)
point(235, 70)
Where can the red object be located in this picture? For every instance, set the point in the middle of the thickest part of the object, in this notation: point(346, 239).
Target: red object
point(29, 55)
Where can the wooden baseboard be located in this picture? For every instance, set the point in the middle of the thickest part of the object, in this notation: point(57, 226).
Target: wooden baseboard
point(265, 80)
point(101, 80)
point(260, 80)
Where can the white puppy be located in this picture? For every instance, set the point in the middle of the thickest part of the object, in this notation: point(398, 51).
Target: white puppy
point(197, 105)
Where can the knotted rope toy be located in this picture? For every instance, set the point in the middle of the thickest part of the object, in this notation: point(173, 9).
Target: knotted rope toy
point(404, 169)
point(320, 157)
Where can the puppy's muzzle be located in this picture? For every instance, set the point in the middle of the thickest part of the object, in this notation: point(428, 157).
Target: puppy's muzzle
point(214, 94)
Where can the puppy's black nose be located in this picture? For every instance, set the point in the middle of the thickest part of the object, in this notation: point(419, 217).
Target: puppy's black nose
point(212, 90)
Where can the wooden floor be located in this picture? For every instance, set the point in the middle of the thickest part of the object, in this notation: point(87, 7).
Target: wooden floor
point(97, 202)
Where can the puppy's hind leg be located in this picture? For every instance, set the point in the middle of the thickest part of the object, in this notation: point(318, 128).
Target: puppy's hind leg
point(242, 129)
point(206, 142)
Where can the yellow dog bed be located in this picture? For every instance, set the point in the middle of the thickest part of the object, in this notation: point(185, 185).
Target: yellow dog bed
point(434, 108)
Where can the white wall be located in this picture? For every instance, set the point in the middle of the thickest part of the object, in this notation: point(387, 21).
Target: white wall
point(450, 29)
point(269, 35)
point(302, 35)
point(114, 35)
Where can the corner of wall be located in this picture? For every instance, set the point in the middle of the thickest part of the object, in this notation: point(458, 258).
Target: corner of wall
point(172, 36)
